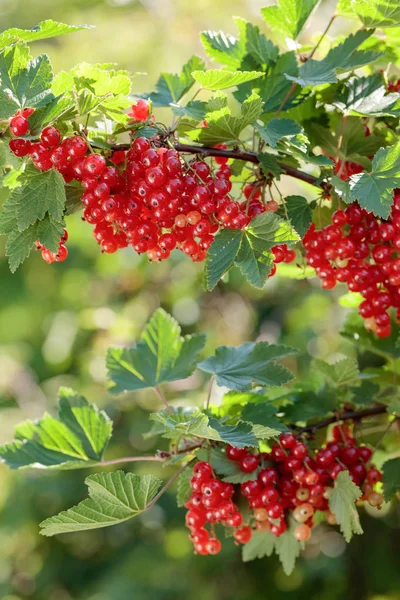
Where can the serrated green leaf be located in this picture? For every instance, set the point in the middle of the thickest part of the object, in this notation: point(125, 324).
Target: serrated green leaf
point(216, 79)
point(364, 394)
point(262, 414)
point(344, 372)
point(170, 88)
point(308, 405)
point(42, 31)
point(263, 51)
point(221, 255)
point(113, 498)
point(367, 96)
point(299, 212)
point(198, 424)
point(288, 17)
point(288, 548)
point(377, 13)
point(391, 478)
point(269, 165)
point(77, 439)
point(184, 490)
point(276, 129)
point(261, 544)
point(49, 232)
point(39, 194)
point(221, 125)
point(223, 48)
point(249, 249)
point(160, 355)
point(62, 108)
point(8, 216)
point(342, 58)
point(374, 190)
point(239, 367)
point(342, 505)
point(19, 246)
point(195, 109)
point(24, 82)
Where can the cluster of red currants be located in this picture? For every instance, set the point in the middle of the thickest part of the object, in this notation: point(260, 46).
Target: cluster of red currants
point(288, 484)
point(363, 252)
point(148, 197)
point(58, 256)
point(211, 502)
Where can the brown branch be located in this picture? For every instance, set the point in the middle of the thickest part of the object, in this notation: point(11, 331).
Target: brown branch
point(353, 415)
point(236, 154)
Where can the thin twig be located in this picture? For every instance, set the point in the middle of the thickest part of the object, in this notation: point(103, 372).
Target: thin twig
point(354, 415)
point(163, 399)
point(251, 157)
point(167, 485)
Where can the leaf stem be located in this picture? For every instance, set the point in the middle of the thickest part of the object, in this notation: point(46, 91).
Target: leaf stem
point(126, 459)
point(163, 399)
point(210, 387)
point(167, 485)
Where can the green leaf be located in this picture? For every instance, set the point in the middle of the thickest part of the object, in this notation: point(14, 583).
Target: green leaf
point(222, 126)
point(276, 129)
point(391, 478)
point(288, 17)
point(377, 13)
point(62, 108)
point(344, 372)
point(184, 490)
point(274, 87)
point(170, 88)
point(261, 545)
point(24, 82)
point(288, 548)
point(221, 255)
point(249, 249)
point(263, 51)
point(374, 190)
point(309, 405)
point(220, 80)
point(364, 394)
point(160, 355)
point(113, 498)
point(299, 213)
point(42, 31)
point(19, 246)
point(49, 232)
point(269, 164)
point(223, 48)
point(367, 96)
point(195, 109)
point(263, 414)
point(41, 193)
point(198, 424)
point(76, 440)
point(354, 330)
point(342, 58)
point(239, 367)
point(342, 504)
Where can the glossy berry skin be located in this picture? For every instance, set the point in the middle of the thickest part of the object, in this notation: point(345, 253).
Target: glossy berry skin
point(50, 136)
point(249, 463)
point(243, 534)
point(19, 126)
point(202, 470)
point(234, 453)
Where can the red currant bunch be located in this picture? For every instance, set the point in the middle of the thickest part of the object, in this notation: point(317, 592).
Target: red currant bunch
point(363, 252)
point(149, 197)
point(287, 483)
point(210, 503)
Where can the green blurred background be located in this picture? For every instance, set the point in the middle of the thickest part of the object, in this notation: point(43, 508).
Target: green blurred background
point(57, 321)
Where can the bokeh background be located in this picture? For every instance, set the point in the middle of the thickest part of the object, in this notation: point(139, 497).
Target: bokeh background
point(57, 321)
